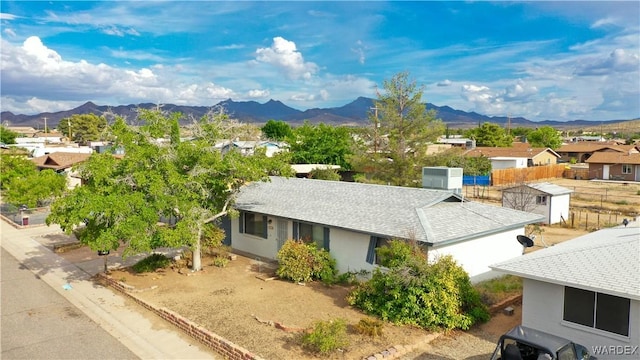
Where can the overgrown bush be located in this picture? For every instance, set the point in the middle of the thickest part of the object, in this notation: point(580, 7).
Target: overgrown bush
point(151, 263)
point(300, 262)
point(371, 327)
point(416, 292)
point(495, 290)
point(326, 336)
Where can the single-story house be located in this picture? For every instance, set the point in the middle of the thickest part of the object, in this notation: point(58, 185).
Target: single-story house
point(586, 289)
point(303, 170)
point(62, 162)
point(533, 156)
point(352, 219)
point(549, 200)
point(580, 152)
point(623, 166)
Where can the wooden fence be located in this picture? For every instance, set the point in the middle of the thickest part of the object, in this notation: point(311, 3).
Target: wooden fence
point(518, 176)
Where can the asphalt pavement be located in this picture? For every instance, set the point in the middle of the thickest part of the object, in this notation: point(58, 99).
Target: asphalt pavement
point(51, 309)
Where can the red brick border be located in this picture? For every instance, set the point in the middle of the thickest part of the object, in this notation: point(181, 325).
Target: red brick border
point(213, 341)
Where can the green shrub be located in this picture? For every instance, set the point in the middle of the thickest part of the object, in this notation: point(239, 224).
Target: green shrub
point(415, 292)
point(300, 262)
point(371, 327)
point(326, 336)
point(220, 261)
point(151, 263)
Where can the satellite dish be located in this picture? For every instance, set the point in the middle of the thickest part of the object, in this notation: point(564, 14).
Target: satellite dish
point(525, 241)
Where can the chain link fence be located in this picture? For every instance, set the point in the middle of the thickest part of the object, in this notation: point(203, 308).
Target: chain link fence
point(24, 216)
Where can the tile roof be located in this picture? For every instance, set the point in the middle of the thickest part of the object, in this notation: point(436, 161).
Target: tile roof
point(585, 146)
point(59, 160)
point(433, 216)
point(614, 158)
point(606, 261)
point(515, 151)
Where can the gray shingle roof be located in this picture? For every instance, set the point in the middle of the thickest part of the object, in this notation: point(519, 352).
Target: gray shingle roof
point(606, 261)
point(434, 216)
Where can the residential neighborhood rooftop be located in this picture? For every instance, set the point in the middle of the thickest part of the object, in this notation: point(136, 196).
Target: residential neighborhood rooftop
point(432, 216)
point(605, 261)
point(614, 158)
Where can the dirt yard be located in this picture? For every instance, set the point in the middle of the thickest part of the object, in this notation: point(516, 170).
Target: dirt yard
point(237, 303)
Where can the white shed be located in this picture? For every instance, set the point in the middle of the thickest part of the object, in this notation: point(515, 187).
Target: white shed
point(550, 200)
point(508, 162)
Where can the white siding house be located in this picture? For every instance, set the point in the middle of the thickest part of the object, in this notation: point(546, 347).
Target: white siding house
point(352, 219)
point(546, 199)
point(504, 162)
point(586, 289)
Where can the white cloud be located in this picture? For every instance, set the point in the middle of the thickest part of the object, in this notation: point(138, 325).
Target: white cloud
point(445, 82)
point(284, 55)
point(359, 50)
point(113, 30)
point(230, 47)
point(5, 16)
point(258, 93)
point(618, 61)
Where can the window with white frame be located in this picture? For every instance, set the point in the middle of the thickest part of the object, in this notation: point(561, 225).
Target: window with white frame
point(626, 168)
point(541, 199)
point(597, 310)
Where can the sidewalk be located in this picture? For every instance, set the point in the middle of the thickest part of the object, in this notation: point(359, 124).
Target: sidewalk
point(109, 310)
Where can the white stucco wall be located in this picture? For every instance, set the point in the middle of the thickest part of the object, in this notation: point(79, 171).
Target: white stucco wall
point(542, 309)
point(256, 245)
point(559, 207)
point(476, 255)
point(498, 163)
point(349, 249)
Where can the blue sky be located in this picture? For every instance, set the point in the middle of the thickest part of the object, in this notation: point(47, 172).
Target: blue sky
point(539, 60)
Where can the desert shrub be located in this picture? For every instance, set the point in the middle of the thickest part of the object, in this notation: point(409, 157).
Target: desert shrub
point(326, 336)
point(371, 327)
point(300, 262)
point(325, 174)
point(398, 252)
point(416, 292)
point(220, 261)
point(151, 263)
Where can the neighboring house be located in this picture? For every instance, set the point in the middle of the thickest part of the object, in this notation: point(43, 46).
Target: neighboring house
point(623, 166)
point(25, 131)
point(457, 141)
point(549, 200)
point(582, 151)
point(303, 170)
point(514, 155)
point(62, 162)
point(586, 289)
point(249, 147)
point(352, 219)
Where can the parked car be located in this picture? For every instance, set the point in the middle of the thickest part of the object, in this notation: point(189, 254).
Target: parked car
point(523, 343)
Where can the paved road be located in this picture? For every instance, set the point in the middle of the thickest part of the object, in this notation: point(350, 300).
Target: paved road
point(40, 328)
point(38, 323)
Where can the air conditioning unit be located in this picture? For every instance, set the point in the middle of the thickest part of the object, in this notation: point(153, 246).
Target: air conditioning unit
point(442, 178)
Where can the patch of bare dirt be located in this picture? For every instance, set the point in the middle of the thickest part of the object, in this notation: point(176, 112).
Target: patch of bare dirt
point(236, 304)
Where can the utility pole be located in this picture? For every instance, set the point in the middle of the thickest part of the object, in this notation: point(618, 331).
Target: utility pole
point(45, 124)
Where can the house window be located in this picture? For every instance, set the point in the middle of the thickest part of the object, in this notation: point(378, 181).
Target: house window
point(374, 243)
point(600, 311)
point(541, 199)
point(312, 233)
point(626, 169)
point(253, 224)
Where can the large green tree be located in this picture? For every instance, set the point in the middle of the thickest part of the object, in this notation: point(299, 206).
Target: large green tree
point(321, 144)
point(7, 136)
point(122, 200)
point(545, 136)
point(277, 130)
point(15, 166)
point(401, 130)
point(83, 127)
point(490, 134)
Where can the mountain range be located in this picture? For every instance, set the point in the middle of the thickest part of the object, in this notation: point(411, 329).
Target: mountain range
point(354, 113)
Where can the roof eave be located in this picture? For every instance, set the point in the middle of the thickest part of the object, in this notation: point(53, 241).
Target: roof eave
point(485, 233)
point(564, 283)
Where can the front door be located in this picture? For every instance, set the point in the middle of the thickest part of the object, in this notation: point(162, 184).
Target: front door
point(605, 172)
point(283, 232)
